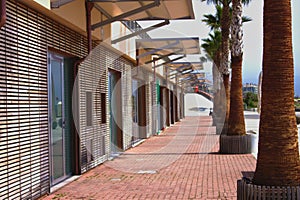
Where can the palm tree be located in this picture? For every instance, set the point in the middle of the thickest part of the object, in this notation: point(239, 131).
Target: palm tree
point(214, 22)
point(211, 46)
point(225, 26)
point(224, 65)
point(224, 61)
point(278, 161)
point(236, 121)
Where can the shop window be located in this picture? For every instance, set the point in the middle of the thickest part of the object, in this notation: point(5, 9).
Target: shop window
point(89, 108)
point(103, 108)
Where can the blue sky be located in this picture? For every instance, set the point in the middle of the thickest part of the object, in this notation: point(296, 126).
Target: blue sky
point(253, 36)
point(253, 41)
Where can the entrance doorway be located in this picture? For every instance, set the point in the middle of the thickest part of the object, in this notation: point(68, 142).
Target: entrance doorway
point(115, 106)
point(135, 112)
point(172, 106)
point(60, 82)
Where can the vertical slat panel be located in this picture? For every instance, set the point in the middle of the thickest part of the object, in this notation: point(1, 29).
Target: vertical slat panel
point(244, 190)
point(298, 192)
point(239, 189)
point(273, 192)
point(259, 192)
point(289, 193)
point(255, 192)
point(293, 193)
point(263, 192)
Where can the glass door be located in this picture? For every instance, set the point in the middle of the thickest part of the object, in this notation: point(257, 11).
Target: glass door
point(115, 106)
point(57, 119)
point(113, 131)
point(135, 126)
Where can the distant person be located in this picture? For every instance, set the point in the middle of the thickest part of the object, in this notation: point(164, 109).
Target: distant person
point(210, 112)
point(196, 89)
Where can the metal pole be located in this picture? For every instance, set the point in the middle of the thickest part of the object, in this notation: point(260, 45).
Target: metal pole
point(88, 8)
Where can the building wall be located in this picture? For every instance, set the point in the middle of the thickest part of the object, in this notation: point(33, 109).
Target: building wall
point(149, 102)
point(93, 77)
point(116, 62)
point(24, 143)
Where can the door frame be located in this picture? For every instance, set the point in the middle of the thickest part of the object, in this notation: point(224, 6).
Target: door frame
point(135, 119)
point(119, 114)
point(75, 140)
point(50, 116)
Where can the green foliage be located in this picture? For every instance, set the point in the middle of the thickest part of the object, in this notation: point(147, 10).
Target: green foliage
point(212, 44)
point(297, 105)
point(251, 100)
point(298, 119)
point(220, 2)
point(214, 21)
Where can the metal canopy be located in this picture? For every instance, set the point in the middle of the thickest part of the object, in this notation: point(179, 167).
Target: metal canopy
point(58, 3)
point(139, 32)
point(186, 69)
point(164, 46)
point(193, 78)
point(133, 10)
point(180, 66)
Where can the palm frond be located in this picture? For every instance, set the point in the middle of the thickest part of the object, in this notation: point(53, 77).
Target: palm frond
point(246, 2)
point(246, 19)
point(211, 1)
point(212, 44)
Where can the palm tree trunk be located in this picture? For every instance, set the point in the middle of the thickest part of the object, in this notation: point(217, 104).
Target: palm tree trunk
point(225, 26)
point(236, 122)
point(217, 87)
point(227, 103)
point(278, 161)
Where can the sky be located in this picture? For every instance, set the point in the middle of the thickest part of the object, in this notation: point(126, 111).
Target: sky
point(253, 36)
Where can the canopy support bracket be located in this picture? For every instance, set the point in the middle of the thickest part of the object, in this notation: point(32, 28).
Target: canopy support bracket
point(166, 22)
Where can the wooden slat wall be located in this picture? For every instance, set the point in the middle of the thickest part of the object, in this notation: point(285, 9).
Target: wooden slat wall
point(93, 77)
point(127, 105)
point(24, 142)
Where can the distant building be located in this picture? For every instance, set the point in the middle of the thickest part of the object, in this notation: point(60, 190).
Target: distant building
point(250, 87)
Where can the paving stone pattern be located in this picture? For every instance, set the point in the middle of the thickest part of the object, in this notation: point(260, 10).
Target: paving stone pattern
point(181, 163)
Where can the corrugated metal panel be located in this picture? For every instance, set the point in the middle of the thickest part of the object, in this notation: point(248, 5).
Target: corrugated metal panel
point(24, 142)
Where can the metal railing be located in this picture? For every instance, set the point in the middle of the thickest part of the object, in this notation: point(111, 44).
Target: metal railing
point(134, 26)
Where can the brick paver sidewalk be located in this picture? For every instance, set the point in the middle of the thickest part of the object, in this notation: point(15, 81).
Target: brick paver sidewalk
point(181, 163)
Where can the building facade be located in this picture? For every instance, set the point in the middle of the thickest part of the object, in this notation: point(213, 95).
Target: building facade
point(62, 115)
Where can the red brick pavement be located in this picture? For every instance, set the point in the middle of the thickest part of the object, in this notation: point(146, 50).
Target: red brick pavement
point(181, 163)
